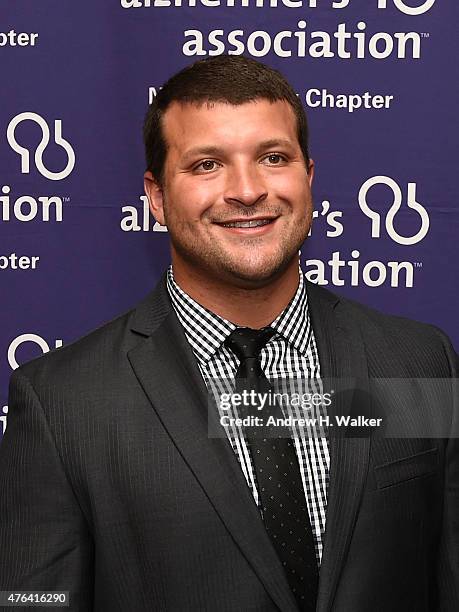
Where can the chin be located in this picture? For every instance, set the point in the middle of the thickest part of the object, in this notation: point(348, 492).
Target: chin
point(254, 275)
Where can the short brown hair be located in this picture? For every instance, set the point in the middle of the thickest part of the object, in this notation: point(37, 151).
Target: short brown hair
point(233, 79)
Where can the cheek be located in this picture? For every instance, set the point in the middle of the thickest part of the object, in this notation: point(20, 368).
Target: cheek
point(292, 184)
point(193, 199)
point(297, 195)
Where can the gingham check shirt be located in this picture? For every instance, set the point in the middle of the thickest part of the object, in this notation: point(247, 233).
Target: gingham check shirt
point(290, 353)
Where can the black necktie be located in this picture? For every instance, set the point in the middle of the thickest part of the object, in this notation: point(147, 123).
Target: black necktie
point(280, 487)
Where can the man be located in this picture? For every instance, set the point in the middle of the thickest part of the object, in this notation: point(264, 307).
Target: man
point(112, 488)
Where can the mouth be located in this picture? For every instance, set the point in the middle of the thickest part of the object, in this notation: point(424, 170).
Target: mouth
point(248, 225)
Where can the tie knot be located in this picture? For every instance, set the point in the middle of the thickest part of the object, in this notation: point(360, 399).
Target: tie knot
point(246, 342)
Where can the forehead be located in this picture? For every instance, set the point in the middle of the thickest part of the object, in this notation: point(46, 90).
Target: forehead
point(188, 124)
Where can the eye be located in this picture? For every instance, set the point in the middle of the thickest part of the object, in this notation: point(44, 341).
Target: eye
point(208, 165)
point(274, 159)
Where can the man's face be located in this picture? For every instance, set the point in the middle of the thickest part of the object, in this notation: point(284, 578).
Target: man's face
point(236, 195)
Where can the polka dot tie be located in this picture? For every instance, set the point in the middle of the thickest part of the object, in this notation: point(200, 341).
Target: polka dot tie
point(280, 487)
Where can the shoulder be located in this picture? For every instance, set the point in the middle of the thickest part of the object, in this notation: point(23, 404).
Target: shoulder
point(83, 359)
point(101, 355)
point(422, 348)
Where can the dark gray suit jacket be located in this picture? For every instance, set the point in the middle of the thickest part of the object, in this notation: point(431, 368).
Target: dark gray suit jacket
point(111, 489)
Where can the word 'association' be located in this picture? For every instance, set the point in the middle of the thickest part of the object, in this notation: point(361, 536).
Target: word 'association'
point(342, 43)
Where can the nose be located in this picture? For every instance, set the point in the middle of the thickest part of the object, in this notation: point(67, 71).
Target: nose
point(245, 186)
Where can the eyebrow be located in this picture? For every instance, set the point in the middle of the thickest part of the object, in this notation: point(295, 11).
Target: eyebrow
point(275, 142)
point(212, 150)
point(204, 150)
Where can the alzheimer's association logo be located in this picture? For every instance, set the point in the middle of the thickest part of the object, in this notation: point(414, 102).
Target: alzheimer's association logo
point(419, 211)
point(38, 156)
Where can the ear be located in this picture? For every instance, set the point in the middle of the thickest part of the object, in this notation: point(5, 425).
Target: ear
point(311, 172)
point(154, 193)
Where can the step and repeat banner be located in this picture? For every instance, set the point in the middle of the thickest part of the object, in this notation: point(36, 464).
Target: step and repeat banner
point(377, 79)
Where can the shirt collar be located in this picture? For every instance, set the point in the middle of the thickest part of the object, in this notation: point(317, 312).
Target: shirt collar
point(206, 331)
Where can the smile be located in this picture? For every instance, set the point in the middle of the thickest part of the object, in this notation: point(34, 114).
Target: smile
point(249, 227)
point(253, 223)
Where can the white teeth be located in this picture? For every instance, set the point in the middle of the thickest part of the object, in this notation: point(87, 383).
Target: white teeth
point(255, 223)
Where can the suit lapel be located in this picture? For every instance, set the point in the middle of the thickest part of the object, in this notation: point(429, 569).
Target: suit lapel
point(166, 369)
point(342, 356)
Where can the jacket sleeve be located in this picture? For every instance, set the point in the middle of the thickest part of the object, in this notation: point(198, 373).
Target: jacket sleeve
point(448, 557)
point(45, 542)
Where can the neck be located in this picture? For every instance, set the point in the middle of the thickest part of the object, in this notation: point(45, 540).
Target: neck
point(245, 307)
